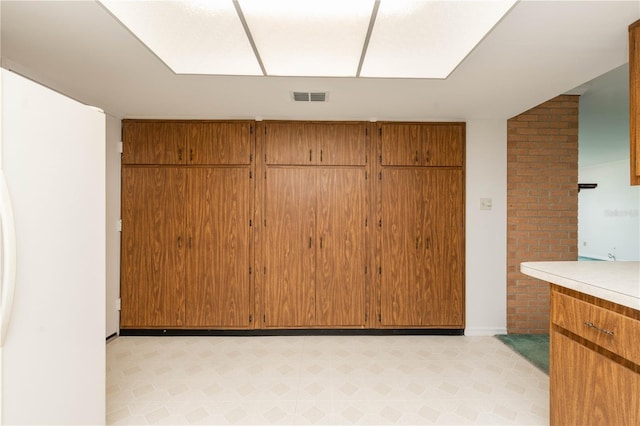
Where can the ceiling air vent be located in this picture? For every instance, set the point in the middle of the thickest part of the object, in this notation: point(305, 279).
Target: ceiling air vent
point(310, 96)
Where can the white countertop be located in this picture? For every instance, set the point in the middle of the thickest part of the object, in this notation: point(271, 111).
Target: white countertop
point(617, 282)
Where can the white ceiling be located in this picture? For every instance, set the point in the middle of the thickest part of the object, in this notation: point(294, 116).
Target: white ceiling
point(539, 50)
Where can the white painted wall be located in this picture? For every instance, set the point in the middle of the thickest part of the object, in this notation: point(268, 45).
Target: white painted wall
point(112, 217)
point(608, 216)
point(486, 230)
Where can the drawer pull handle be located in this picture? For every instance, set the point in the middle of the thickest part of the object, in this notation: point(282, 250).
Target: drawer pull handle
point(602, 330)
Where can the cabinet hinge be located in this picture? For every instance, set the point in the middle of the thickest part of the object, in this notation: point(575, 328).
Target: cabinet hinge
point(120, 147)
point(119, 225)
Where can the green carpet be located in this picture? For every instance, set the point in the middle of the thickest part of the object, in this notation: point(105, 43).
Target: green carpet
point(533, 347)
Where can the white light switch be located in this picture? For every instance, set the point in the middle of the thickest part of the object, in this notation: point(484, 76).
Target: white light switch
point(486, 203)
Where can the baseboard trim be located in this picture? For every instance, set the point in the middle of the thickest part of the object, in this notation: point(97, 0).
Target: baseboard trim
point(111, 337)
point(294, 332)
point(484, 331)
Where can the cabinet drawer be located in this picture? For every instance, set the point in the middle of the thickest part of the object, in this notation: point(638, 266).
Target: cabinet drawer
point(610, 330)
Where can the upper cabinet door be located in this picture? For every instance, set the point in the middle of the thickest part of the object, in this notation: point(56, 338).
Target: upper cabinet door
point(154, 142)
point(634, 100)
point(290, 143)
point(219, 143)
point(341, 144)
point(423, 144)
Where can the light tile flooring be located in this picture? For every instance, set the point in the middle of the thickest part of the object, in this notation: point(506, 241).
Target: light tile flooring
point(322, 380)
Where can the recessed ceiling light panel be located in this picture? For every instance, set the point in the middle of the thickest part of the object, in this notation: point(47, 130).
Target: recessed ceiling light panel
point(428, 39)
point(308, 38)
point(191, 37)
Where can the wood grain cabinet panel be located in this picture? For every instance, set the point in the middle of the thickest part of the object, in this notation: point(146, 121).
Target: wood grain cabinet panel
point(186, 143)
point(290, 214)
point(308, 143)
point(422, 229)
point(587, 388)
point(315, 261)
point(217, 290)
point(153, 247)
point(340, 247)
point(634, 100)
point(420, 144)
point(154, 142)
point(219, 143)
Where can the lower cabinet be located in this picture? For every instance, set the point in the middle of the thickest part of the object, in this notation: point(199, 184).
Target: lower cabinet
point(594, 371)
point(314, 247)
point(422, 225)
point(185, 247)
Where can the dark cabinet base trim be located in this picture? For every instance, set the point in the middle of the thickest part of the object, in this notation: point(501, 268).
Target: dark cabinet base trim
point(295, 332)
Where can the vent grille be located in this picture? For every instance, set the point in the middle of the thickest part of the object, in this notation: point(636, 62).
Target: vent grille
point(310, 96)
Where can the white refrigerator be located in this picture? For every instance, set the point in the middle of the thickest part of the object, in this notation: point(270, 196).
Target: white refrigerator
point(53, 202)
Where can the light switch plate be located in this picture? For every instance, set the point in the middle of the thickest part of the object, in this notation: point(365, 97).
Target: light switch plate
point(486, 203)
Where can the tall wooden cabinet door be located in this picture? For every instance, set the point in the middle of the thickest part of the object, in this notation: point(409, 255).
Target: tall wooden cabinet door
point(341, 143)
point(154, 142)
point(444, 247)
point(405, 293)
point(153, 247)
point(219, 143)
point(442, 145)
point(340, 274)
point(290, 143)
point(401, 144)
point(217, 287)
point(289, 247)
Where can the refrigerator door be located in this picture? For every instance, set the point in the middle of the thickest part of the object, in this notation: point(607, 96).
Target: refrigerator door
point(53, 356)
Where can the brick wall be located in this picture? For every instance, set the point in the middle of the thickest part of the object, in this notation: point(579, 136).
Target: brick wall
point(542, 204)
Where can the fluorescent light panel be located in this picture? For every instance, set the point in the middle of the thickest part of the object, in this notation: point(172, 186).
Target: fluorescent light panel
point(410, 38)
point(428, 39)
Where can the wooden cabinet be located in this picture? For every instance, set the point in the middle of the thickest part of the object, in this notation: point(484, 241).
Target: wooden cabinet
point(594, 361)
point(293, 225)
point(217, 291)
point(153, 247)
point(304, 143)
point(422, 231)
point(417, 144)
point(421, 226)
point(174, 142)
point(315, 260)
point(634, 100)
point(186, 211)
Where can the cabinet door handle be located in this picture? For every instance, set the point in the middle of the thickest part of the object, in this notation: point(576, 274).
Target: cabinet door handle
point(179, 242)
point(428, 156)
point(321, 156)
point(602, 330)
point(320, 242)
point(417, 242)
point(191, 154)
point(309, 242)
point(416, 157)
point(310, 155)
point(180, 154)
